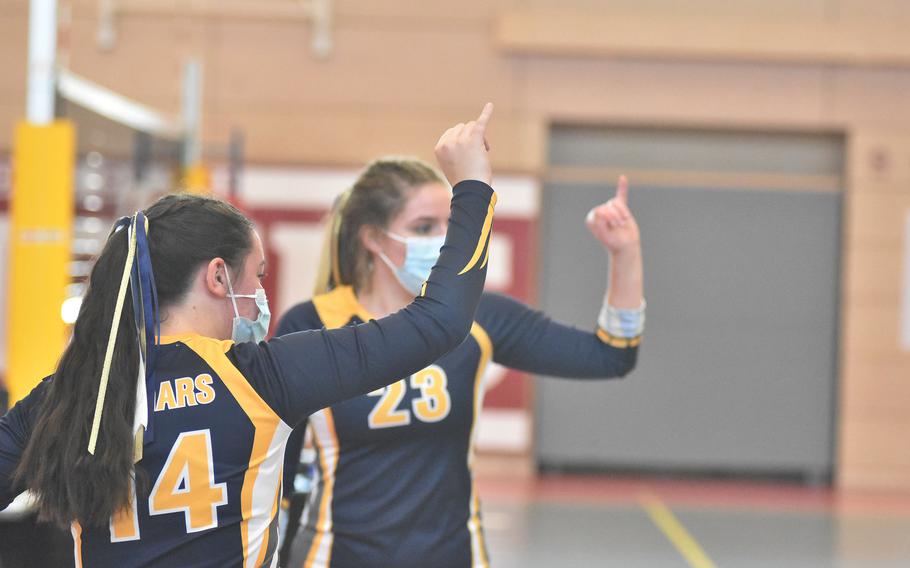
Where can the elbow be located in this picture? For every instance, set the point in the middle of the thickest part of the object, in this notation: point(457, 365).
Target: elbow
point(628, 363)
point(444, 323)
point(457, 333)
point(624, 371)
point(456, 327)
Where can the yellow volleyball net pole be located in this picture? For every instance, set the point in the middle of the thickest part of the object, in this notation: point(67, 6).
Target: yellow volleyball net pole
point(41, 214)
point(83, 156)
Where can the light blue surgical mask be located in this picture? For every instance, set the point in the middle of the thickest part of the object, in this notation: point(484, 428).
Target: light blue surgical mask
point(245, 329)
point(421, 254)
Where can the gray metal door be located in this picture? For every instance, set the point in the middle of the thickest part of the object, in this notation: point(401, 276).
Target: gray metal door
point(741, 237)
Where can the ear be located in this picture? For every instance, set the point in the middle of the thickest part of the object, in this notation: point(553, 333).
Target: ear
point(369, 238)
point(215, 277)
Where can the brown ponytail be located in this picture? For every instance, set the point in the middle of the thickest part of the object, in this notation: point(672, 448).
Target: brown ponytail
point(185, 232)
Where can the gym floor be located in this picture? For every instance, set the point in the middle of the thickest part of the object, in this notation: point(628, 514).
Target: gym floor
point(607, 521)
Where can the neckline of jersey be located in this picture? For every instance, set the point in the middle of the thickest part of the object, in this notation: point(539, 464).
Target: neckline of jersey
point(177, 337)
point(353, 304)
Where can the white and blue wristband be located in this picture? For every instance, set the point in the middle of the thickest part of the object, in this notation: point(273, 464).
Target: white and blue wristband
point(621, 327)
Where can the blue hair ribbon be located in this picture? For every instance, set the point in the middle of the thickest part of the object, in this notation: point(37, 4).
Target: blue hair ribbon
point(140, 276)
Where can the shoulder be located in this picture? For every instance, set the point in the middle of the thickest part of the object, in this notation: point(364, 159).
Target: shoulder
point(494, 305)
point(301, 317)
point(499, 317)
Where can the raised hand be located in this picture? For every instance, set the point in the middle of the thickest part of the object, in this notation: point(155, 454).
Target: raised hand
point(613, 223)
point(462, 151)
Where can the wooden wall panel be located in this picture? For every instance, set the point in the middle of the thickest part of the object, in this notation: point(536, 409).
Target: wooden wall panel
point(874, 326)
point(887, 10)
point(876, 373)
point(147, 64)
point(687, 92)
point(876, 219)
point(879, 160)
point(13, 50)
point(354, 137)
point(721, 8)
point(13, 64)
point(873, 274)
point(388, 13)
point(263, 64)
point(874, 476)
point(866, 445)
point(14, 8)
point(701, 35)
point(10, 115)
point(871, 96)
point(879, 441)
point(874, 396)
point(429, 13)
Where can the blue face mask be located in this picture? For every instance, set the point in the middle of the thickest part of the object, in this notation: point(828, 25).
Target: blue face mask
point(245, 329)
point(421, 254)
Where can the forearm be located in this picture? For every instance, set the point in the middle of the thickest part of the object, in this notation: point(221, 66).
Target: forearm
point(625, 289)
point(453, 289)
point(529, 340)
point(572, 353)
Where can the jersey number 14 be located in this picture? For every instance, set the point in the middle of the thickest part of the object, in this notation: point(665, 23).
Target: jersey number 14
point(186, 485)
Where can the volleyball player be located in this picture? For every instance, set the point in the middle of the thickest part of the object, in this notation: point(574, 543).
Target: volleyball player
point(395, 485)
point(165, 447)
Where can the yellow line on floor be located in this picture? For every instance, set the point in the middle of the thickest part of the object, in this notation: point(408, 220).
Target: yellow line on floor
point(675, 532)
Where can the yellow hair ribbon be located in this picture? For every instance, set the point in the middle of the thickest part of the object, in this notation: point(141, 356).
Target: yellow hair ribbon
point(112, 339)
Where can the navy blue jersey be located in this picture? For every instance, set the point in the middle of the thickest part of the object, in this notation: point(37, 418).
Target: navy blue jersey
point(395, 486)
point(220, 415)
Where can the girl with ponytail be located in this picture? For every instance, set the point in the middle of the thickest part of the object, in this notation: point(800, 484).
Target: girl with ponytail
point(160, 436)
point(402, 456)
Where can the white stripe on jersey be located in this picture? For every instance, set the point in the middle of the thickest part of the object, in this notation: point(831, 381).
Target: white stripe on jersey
point(267, 480)
point(326, 440)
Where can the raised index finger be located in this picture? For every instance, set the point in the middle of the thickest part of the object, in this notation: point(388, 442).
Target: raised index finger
point(484, 117)
point(622, 190)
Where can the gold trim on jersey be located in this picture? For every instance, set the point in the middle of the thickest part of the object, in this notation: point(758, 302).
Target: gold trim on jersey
point(184, 337)
point(486, 255)
point(76, 529)
point(336, 308)
point(258, 500)
point(618, 342)
point(325, 437)
point(478, 546)
point(483, 241)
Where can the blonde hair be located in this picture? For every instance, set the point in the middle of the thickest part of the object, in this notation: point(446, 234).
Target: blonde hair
point(379, 194)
